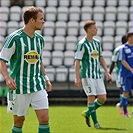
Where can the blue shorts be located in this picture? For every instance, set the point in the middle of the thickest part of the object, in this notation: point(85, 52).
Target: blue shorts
point(127, 84)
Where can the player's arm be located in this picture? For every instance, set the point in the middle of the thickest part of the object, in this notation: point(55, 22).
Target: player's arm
point(112, 67)
point(48, 83)
point(6, 53)
point(127, 66)
point(9, 81)
point(102, 61)
point(78, 57)
point(114, 60)
point(77, 72)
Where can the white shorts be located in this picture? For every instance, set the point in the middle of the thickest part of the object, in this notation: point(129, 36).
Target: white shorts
point(19, 103)
point(93, 86)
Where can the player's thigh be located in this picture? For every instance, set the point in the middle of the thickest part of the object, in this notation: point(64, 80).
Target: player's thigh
point(100, 89)
point(18, 120)
point(102, 98)
point(39, 100)
point(127, 84)
point(40, 104)
point(21, 104)
point(43, 116)
point(89, 86)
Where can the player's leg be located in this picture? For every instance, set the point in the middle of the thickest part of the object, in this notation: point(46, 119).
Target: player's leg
point(101, 94)
point(40, 105)
point(92, 109)
point(120, 96)
point(18, 123)
point(125, 102)
point(89, 88)
point(43, 119)
point(100, 100)
point(20, 110)
point(126, 86)
point(119, 105)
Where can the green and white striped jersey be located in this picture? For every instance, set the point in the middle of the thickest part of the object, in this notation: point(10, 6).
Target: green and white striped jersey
point(25, 56)
point(89, 53)
point(115, 58)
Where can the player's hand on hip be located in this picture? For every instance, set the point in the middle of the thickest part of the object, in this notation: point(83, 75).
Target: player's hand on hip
point(48, 86)
point(78, 82)
point(11, 83)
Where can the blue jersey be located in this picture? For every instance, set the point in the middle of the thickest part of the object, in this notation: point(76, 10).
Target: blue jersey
point(126, 53)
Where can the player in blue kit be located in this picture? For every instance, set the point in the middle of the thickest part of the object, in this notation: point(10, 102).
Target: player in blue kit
point(116, 64)
point(126, 70)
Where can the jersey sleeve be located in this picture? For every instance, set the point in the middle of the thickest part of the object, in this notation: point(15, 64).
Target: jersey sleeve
point(42, 47)
point(79, 51)
point(122, 54)
point(115, 55)
point(8, 49)
point(100, 50)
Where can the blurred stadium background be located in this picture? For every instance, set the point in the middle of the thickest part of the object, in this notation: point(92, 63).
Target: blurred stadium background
point(62, 30)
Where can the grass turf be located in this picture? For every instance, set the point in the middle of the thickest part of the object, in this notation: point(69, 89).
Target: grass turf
point(68, 119)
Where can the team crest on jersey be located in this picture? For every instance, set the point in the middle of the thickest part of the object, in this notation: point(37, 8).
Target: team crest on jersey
point(94, 54)
point(31, 57)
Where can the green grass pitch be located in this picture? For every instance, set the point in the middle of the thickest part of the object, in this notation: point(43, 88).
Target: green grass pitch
point(68, 119)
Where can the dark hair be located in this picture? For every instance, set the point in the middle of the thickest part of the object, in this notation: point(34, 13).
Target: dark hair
point(88, 24)
point(31, 12)
point(129, 34)
point(124, 39)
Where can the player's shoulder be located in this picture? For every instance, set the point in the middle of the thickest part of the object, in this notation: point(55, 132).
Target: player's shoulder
point(39, 36)
point(96, 40)
point(82, 41)
point(15, 34)
point(122, 47)
point(117, 48)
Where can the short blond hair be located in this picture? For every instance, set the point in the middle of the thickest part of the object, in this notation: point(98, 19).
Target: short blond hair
point(88, 23)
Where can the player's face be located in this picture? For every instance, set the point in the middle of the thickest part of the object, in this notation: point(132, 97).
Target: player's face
point(38, 24)
point(92, 30)
point(131, 39)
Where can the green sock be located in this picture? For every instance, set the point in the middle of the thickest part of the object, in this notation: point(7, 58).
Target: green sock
point(43, 128)
point(120, 100)
point(93, 113)
point(97, 104)
point(88, 111)
point(16, 129)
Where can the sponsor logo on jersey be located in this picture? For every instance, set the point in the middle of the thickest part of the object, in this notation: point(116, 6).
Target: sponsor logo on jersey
point(94, 54)
point(31, 57)
point(127, 51)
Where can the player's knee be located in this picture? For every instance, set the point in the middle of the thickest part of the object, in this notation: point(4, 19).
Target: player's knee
point(44, 120)
point(102, 100)
point(19, 121)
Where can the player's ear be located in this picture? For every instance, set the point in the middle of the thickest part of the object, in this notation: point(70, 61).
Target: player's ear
point(32, 20)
